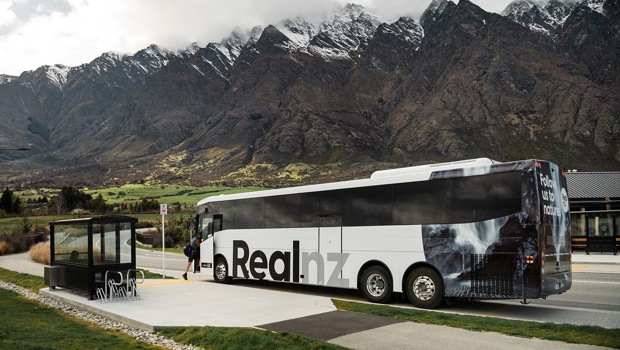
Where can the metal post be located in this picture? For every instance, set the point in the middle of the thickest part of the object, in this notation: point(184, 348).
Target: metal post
point(163, 248)
point(163, 210)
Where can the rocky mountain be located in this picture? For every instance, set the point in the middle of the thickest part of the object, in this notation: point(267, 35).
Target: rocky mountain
point(539, 16)
point(334, 100)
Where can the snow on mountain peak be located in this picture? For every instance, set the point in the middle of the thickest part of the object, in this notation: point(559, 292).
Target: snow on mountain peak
point(155, 50)
point(233, 44)
point(595, 5)
point(433, 11)
point(5, 79)
point(57, 74)
point(343, 33)
point(189, 51)
point(407, 28)
point(540, 15)
point(298, 31)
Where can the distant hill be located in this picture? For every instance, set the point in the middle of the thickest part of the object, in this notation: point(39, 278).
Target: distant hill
point(297, 101)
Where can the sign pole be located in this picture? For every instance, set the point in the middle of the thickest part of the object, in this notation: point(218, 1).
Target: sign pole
point(163, 209)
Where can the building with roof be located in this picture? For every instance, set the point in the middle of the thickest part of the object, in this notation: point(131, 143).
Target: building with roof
point(595, 210)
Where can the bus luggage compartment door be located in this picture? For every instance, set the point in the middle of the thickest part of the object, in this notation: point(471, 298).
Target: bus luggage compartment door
point(330, 249)
point(206, 256)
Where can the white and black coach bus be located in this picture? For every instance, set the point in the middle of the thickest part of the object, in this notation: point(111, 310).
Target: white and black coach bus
point(468, 229)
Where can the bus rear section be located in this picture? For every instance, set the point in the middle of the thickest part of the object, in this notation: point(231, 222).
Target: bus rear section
point(554, 230)
point(509, 236)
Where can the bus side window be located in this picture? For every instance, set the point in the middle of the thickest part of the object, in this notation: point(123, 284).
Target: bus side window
point(217, 222)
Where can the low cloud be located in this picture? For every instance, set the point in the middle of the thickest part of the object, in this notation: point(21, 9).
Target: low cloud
point(72, 32)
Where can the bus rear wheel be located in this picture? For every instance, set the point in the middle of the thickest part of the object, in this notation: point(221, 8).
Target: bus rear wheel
point(425, 288)
point(220, 272)
point(376, 285)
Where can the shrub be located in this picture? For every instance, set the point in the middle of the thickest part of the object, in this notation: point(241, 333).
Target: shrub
point(5, 248)
point(19, 241)
point(145, 224)
point(41, 253)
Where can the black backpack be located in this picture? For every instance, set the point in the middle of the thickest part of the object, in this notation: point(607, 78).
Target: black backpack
point(188, 251)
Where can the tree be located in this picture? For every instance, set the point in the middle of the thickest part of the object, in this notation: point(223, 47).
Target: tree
point(10, 203)
point(16, 207)
point(98, 204)
point(58, 203)
point(6, 201)
point(74, 198)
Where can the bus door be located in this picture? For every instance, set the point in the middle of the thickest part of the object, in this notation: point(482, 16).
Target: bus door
point(208, 225)
point(330, 249)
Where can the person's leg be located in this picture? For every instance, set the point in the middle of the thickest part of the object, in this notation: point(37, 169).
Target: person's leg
point(189, 263)
point(197, 261)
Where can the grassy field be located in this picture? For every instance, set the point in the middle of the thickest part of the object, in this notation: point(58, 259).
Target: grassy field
point(10, 222)
point(34, 326)
point(181, 200)
point(241, 338)
point(132, 193)
point(591, 335)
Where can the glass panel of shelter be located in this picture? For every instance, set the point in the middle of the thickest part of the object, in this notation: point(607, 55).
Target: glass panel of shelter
point(71, 243)
point(125, 248)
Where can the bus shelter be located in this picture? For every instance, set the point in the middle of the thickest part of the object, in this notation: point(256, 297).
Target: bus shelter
point(85, 251)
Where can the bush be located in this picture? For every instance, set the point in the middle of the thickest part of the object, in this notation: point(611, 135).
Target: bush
point(19, 241)
point(145, 224)
point(41, 253)
point(5, 248)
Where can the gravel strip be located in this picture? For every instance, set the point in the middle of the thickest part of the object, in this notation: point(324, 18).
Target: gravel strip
point(145, 336)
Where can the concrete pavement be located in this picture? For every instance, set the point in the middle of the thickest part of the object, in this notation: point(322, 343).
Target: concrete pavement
point(22, 263)
point(201, 302)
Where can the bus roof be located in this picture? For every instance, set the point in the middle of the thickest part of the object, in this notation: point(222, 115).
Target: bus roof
point(382, 177)
point(468, 163)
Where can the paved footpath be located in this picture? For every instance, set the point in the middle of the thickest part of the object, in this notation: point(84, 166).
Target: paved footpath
point(168, 302)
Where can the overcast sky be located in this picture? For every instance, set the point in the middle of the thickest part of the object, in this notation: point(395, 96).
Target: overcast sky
point(71, 32)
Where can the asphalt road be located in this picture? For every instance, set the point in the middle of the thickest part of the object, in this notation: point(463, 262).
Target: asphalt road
point(152, 259)
point(594, 298)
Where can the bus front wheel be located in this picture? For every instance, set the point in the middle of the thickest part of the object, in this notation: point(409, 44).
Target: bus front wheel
point(220, 272)
point(376, 285)
point(425, 288)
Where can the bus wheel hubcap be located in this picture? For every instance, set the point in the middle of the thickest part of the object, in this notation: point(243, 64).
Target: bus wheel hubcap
point(375, 285)
point(423, 288)
point(220, 271)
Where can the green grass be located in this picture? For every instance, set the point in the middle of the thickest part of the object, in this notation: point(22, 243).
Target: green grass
point(33, 283)
point(177, 250)
point(187, 196)
point(592, 335)
point(224, 338)
point(34, 326)
point(131, 193)
point(241, 338)
point(14, 221)
point(165, 194)
point(11, 222)
point(151, 275)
